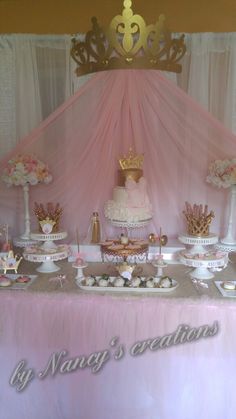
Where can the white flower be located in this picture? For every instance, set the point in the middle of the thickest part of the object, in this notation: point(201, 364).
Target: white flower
point(32, 178)
point(20, 167)
point(222, 173)
point(48, 179)
point(24, 169)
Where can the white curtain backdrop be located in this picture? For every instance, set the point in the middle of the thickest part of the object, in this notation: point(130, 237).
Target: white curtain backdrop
point(35, 78)
point(37, 75)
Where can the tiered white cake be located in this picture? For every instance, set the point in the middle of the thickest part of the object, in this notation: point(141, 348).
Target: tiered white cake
point(130, 202)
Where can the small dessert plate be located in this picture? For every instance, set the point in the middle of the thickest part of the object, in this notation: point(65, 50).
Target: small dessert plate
point(226, 288)
point(229, 286)
point(19, 281)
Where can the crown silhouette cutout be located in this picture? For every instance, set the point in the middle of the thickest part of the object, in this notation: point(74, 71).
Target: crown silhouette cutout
point(132, 161)
point(128, 43)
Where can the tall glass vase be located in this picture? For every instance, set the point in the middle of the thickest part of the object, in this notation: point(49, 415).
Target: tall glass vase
point(229, 239)
point(26, 234)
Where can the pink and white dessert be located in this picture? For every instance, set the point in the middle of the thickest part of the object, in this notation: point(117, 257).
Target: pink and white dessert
point(4, 281)
point(23, 279)
point(119, 282)
point(89, 281)
point(79, 262)
point(130, 203)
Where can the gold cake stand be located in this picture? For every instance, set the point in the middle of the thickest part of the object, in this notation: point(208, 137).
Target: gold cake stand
point(123, 251)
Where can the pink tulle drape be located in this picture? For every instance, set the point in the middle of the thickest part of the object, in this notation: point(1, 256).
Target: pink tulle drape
point(82, 141)
point(189, 381)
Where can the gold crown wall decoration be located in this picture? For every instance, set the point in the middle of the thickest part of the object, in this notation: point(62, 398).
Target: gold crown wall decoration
point(132, 161)
point(128, 43)
point(198, 219)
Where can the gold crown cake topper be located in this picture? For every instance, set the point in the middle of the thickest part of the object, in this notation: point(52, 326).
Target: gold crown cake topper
point(198, 219)
point(132, 161)
point(128, 43)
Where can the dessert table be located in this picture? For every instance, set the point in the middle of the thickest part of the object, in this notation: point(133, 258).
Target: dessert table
point(114, 367)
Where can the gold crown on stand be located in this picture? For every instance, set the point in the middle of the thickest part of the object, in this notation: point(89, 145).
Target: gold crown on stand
point(132, 161)
point(128, 43)
point(50, 215)
point(198, 219)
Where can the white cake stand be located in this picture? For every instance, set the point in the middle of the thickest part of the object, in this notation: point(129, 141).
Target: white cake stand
point(127, 224)
point(202, 263)
point(36, 254)
point(19, 242)
point(198, 243)
point(48, 239)
point(48, 252)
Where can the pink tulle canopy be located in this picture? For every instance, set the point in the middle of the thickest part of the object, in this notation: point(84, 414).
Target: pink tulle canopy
point(82, 141)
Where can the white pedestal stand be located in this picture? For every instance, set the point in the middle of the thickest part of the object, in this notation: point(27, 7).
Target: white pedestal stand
point(48, 239)
point(48, 253)
point(201, 259)
point(25, 240)
point(80, 273)
point(198, 243)
point(160, 266)
point(26, 234)
point(229, 239)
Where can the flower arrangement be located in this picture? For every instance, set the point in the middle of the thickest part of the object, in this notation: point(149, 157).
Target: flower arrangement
point(222, 173)
point(25, 169)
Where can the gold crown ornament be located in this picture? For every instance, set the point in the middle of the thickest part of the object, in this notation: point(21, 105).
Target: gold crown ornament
point(132, 161)
point(128, 43)
point(198, 219)
point(131, 168)
point(49, 217)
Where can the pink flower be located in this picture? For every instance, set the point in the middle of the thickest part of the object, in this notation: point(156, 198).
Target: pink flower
point(25, 169)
